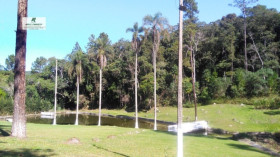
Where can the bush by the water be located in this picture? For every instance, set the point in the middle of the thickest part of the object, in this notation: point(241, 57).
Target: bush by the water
point(6, 105)
point(37, 105)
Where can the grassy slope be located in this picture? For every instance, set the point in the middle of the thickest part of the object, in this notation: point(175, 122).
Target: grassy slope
point(234, 118)
point(48, 140)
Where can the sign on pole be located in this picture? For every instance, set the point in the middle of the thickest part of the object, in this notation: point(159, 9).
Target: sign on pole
point(34, 23)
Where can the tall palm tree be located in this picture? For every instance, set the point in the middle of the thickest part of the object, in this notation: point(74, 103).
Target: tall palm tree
point(135, 46)
point(19, 120)
point(157, 25)
point(75, 69)
point(102, 44)
point(55, 93)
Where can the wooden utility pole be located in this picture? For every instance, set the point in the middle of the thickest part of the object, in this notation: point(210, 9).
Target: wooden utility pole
point(19, 119)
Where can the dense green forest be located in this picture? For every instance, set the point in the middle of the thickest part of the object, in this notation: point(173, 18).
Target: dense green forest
point(213, 59)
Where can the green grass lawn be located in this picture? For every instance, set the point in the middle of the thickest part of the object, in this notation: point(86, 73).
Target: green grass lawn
point(47, 140)
point(233, 118)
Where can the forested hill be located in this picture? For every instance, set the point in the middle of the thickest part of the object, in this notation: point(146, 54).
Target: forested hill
point(216, 51)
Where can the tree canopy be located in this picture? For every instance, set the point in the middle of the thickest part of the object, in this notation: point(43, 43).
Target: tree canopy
point(218, 59)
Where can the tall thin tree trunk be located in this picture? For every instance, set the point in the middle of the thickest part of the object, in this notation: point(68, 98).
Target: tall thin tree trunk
point(136, 105)
point(245, 37)
point(231, 77)
point(77, 106)
point(155, 88)
point(100, 95)
point(55, 93)
point(19, 119)
point(232, 59)
point(180, 86)
point(194, 68)
point(193, 83)
point(256, 49)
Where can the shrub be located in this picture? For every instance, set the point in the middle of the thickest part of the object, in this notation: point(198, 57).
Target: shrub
point(37, 105)
point(267, 103)
point(239, 81)
point(188, 105)
point(232, 91)
point(204, 96)
point(2, 93)
point(6, 105)
point(255, 85)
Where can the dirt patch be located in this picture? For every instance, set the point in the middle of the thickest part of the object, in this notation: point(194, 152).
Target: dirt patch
point(111, 137)
point(96, 140)
point(73, 140)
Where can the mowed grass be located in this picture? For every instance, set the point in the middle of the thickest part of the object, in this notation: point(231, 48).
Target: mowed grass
point(233, 118)
point(105, 141)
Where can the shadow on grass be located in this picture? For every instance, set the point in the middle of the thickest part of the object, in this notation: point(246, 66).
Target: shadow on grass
point(5, 126)
point(27, 153)
point(224, 138)
point(197, 134)
point(109, 151)
point(247, 147)
point(3, 133)
point(272, 113)
point(3, 130)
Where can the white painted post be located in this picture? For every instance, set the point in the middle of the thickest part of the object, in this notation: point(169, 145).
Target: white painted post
point(55, 93)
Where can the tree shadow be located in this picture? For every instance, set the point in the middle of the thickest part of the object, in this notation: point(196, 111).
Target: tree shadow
point(3, 130)
point(3, 133)
point(5, 126)
point(28, 153)
point(194, 134)
point(225, 138)
point(272, 113)
point(247, 148)
point(109, 151)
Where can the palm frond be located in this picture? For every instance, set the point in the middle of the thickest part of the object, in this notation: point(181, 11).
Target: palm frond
point(129, 30)
point(135, 27)
point(141, 29)
point(148, 20)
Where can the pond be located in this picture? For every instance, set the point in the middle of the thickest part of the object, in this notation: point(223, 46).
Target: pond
point(90, 119)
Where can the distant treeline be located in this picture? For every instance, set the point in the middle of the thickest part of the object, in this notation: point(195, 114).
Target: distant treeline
point(218, 49)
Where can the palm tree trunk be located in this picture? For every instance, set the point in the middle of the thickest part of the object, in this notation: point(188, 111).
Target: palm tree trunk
point(100, 96)
point(180, 87)
point(19, 120)
point(155, 88)
point(55, 93)
point(77, 107)
point(136, 105)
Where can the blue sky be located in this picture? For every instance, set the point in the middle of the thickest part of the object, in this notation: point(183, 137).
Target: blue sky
point(71, 21)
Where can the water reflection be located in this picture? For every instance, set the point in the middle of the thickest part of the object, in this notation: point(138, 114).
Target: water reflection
point(69, 119)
